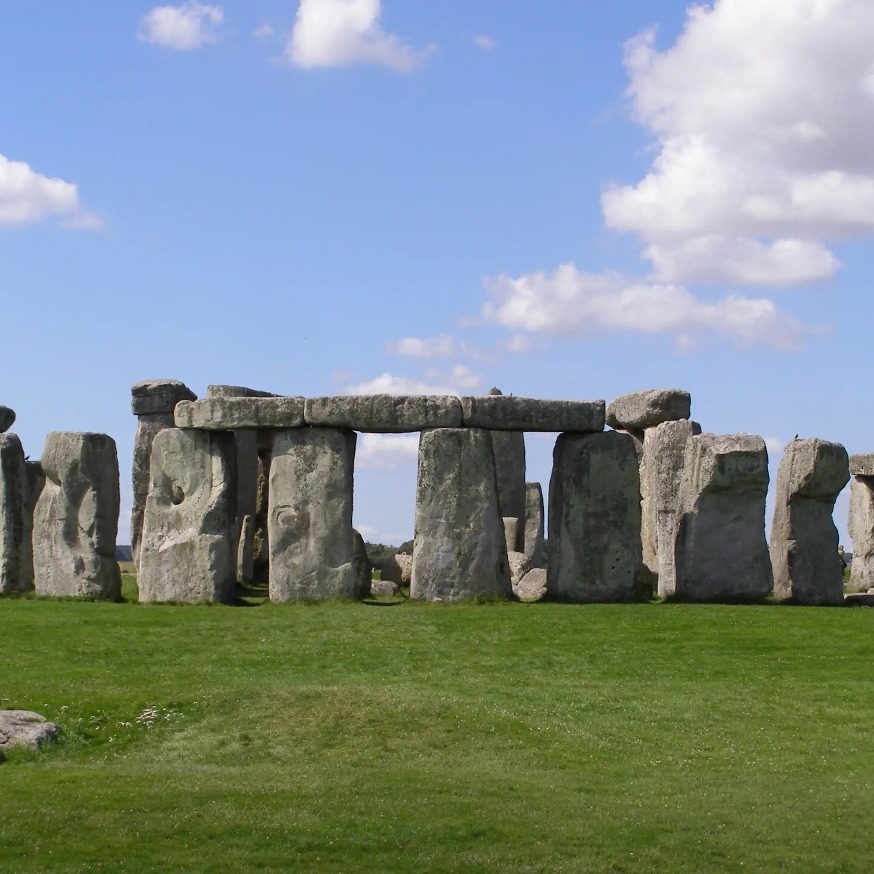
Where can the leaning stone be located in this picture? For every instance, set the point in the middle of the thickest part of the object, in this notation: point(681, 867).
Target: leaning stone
point(720, 552)
point(15, 565)
point(804, 540)
point(534, 525)
point(76, 518)
point(384, 587)
point(24, 728)
point(511, 532)
point(312, 548)
point(594, 518)
point(152, 396)
point(7, 418)
point(519, 564)
point(860, 527)
point(509, 413)
point(862, 465)
point(532, 587)
point(230, 414)
point(460, 551)
point(646, 409)
point(186, 552)
point(387, 414)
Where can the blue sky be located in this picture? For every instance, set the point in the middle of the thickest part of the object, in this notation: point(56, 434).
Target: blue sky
point(569, 200)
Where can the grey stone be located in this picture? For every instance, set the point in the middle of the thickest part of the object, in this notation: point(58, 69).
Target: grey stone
point(246, 551)
point(509, 413)
point(398, 569)
point(532, 587)
point(646, 409)
point(24, 728)
point(511, 532)
point(459, 551)
point(534, 524)
point(312, 549)
point(364, 572)
point(859, 599)
point(720, 552)
point(231, 414)
point(664, 450)
point(388, 414)
point(76, 518)
point(519, 564)
point(384, 587)
point(35, 481)
point(236, 391)
point(152, 396)
point(7, 418)
point(594, 518)
point(509, 452)
point(862, 465)
point(804, 540)
point(15, 566)
point(860, 527)
point(186, 552)
point(148, 426)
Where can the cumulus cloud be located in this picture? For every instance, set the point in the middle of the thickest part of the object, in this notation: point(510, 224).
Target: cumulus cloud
point(185, 27)
point(568, 302)
point(763, 114)
point(337, 33)
point(442, 346)
point(775, 447)
point(434, 382)
point(386, 451)
point(27, 196)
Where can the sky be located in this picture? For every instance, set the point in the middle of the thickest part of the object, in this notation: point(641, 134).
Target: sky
point(564, 200)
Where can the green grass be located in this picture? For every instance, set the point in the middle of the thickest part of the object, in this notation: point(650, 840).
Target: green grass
point(429, 738)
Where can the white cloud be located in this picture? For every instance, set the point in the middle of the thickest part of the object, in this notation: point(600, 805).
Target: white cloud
point(775, 447)
point(386, 451)
point(485, 42)
point(443, 346)
point(188, 26)
point(435, 382)
point(337, 33)
point(569, 302)
point(28, 196)
point(264, 32)
point(763, 113)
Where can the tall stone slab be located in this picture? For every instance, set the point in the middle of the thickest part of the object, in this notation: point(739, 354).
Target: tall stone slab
point(534, 524)
point(720, 552)
point(804, 540)
point(312, 545)
point(860, 525)
point(76, 518)
point(186, 552)
point(152, 402)
point(15, 565)
point(459, 548)
point(594, 518)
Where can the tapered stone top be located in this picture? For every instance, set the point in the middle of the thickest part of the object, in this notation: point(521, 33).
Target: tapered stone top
point(862, 465)
point(236, 391)
point(509, 413)
point(158, 396)
point(7, 417)
point(646, 409)
point(234, 413)
point(384, 413)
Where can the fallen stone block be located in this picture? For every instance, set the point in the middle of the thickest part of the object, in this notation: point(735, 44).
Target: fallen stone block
point(532, 587)
point(24, 728)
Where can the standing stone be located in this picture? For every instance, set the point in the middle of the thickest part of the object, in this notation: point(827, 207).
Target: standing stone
point(594, 518)
point(152, 402)
point(720, 552)
point(312, 546)
point(246, 552)
point(804, 540)
point(460, 550)
point(261, 551)
point(534, 525)
point(186, 550)
point(15, 566)
point(76, 518)
point(664, 449)
point(7, 418)
point(35, 481)
point(511, 532)
point(364, 572)
point(509, 451)
point(861, 522)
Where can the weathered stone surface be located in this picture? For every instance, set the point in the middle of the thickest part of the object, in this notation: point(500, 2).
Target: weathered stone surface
point(398, 569)
point(646, 409)
point(509, 413)
point(364, 572)
point(35, 480)
point(152, 396)
point(804, 540)
point(388, 414)
point(7, 418)
point(312, 549)
point(532, 587)
point(511, 532)
point(76, 517)
point(236, 391)
point(594, 518)
point(860, 527)
point(720, 553)
point(24, 728)
point(231, 414)
point(459, 550)
point(384, 587)
point(147, 427)
point(15, 565)
point(509, 451)
point(534, 524)
point(186, 552)
point(519, 564)
point(246, 551)
point(664, 449)
point(862, 465)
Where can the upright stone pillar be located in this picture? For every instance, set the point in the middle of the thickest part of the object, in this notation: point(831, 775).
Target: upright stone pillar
point(509, 452)
point(152, 402)
point(460, 549)
point(720, 552)
point(311, 540)
point(186, 550)
point(260, 546)
point(804, 540)
point(76, 518)
point(534, 525)
point(15, 565)
point(861, 522)
point(594, 518)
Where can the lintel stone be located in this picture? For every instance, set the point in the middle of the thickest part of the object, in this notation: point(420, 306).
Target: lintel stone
point(233, 413)
point(862, 465)
point(158, 396)
point(646, 409)
point(511, 413)
point(389, 414)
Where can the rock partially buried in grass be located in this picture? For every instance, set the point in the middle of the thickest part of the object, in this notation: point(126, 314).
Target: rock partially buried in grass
point(24, 728)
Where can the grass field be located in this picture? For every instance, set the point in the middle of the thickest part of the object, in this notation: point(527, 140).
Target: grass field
point(429, 738)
